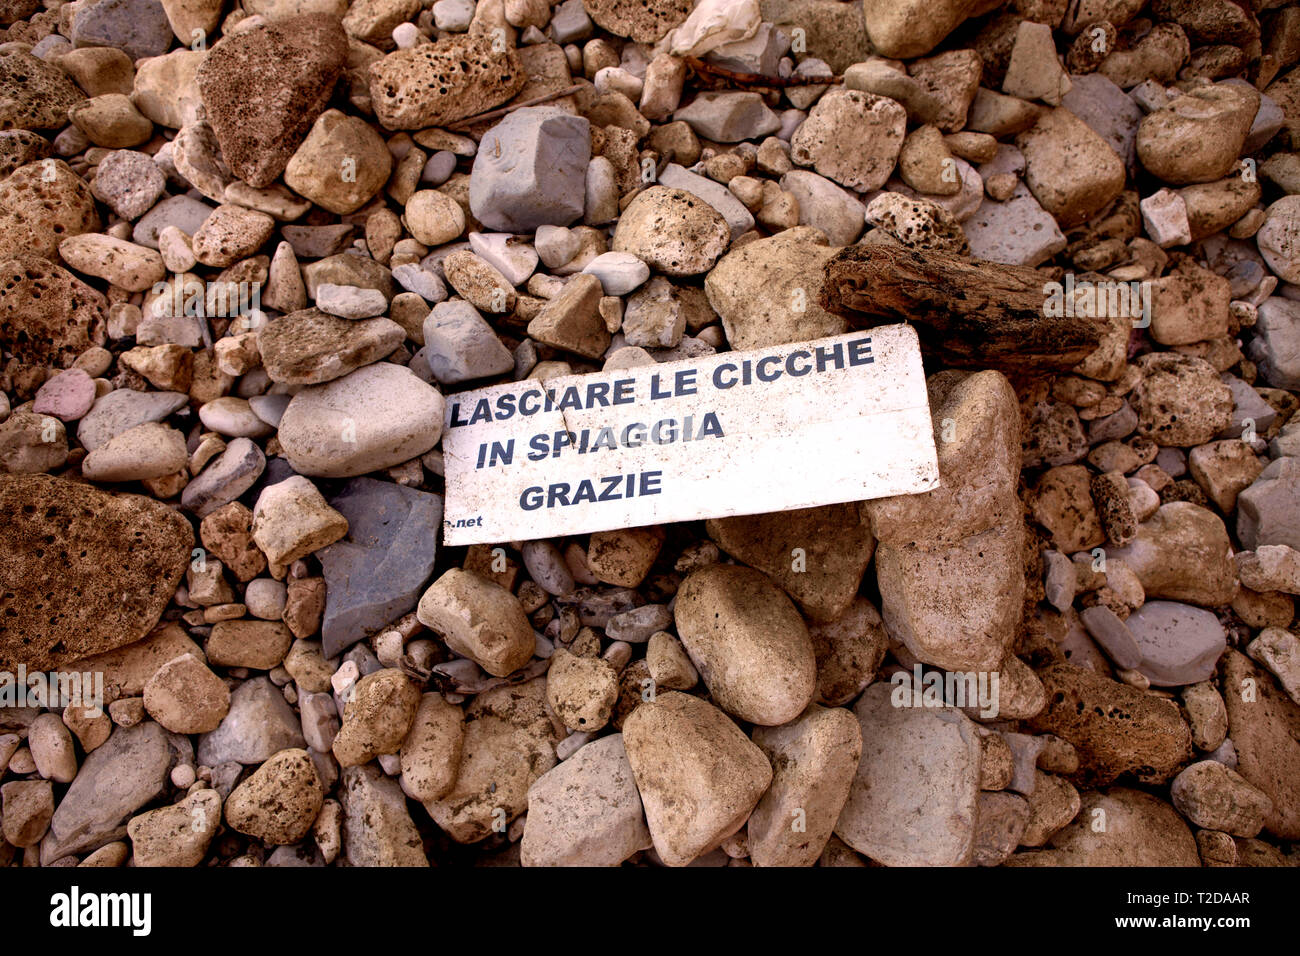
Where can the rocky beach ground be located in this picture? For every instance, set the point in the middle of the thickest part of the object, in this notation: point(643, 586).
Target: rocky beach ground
point(248, 250)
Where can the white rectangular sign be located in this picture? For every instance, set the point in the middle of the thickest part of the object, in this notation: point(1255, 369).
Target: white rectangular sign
point(793, 426)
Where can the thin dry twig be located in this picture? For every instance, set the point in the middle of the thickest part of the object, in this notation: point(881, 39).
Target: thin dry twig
point(758, 79)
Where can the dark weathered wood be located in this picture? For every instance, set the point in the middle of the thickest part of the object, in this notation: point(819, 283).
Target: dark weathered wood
point(968, 312)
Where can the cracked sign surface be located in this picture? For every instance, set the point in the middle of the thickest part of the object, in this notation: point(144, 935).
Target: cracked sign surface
point(791, 426)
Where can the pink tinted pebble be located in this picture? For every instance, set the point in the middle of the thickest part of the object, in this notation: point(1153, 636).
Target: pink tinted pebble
point(67, 396)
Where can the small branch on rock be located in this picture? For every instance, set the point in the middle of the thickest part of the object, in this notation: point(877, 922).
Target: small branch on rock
point(971, 313)
point(495, 114)
point(723, 75)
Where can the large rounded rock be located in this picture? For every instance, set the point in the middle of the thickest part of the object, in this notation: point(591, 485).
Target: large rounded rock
point(912, 800)
point(479, 619)
point(673, 231)
point(949, 562)
point(767, 292)
point(1180, 644)
point(1197, 137)
point(699, 777)
point(84, 571)
point(373, 418)
point(816, 555)
point(263, 89)
point(279, 802)
point(748, 642)
point(1115, 728)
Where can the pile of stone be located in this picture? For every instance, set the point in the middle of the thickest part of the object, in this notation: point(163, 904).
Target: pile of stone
point(247, 249)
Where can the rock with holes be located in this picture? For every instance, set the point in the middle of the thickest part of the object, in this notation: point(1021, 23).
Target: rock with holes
point(84, 571)
point(41, 204)
point(434, 84)
point(1115, 728)
point(672, 231)
point(263, 88)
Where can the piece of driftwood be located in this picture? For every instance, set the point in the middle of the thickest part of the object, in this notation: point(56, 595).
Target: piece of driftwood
point(970, 313)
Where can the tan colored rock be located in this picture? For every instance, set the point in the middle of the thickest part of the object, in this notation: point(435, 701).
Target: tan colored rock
point(672, 231)
point(291, 520)
point(259, 645)
point(178, 835)
point(379, 712)
point(586, 811)
point(816, 555)
point(186, 697)
point(509, 743)
point(624, 557)
point(1115, 728)
point(912, 801)
point(432, 749)
point(581, 690)
point(403, 84)
point(748, 642)
point(478, 619)
point(851, 137)
point(1070, 169)
point(41, 205)
point(1214, 797)
point(814, 759)
point(279, 802)
point(341, 164)
point(699, 777)
point(1181, 554)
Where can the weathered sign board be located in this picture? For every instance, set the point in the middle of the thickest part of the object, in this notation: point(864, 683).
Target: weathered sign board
point(793, 426)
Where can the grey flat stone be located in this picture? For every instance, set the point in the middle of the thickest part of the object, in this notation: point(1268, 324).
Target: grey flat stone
point(1018, 232)
point(460, 346)
point(260, 723)
point(225, 478)
point(1276, 343)
point(139, 28)
point(122, 409)
point(1268, 512)
point(1179, 643)
point(126, 772)
point(377, 573)
point(184, 212)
